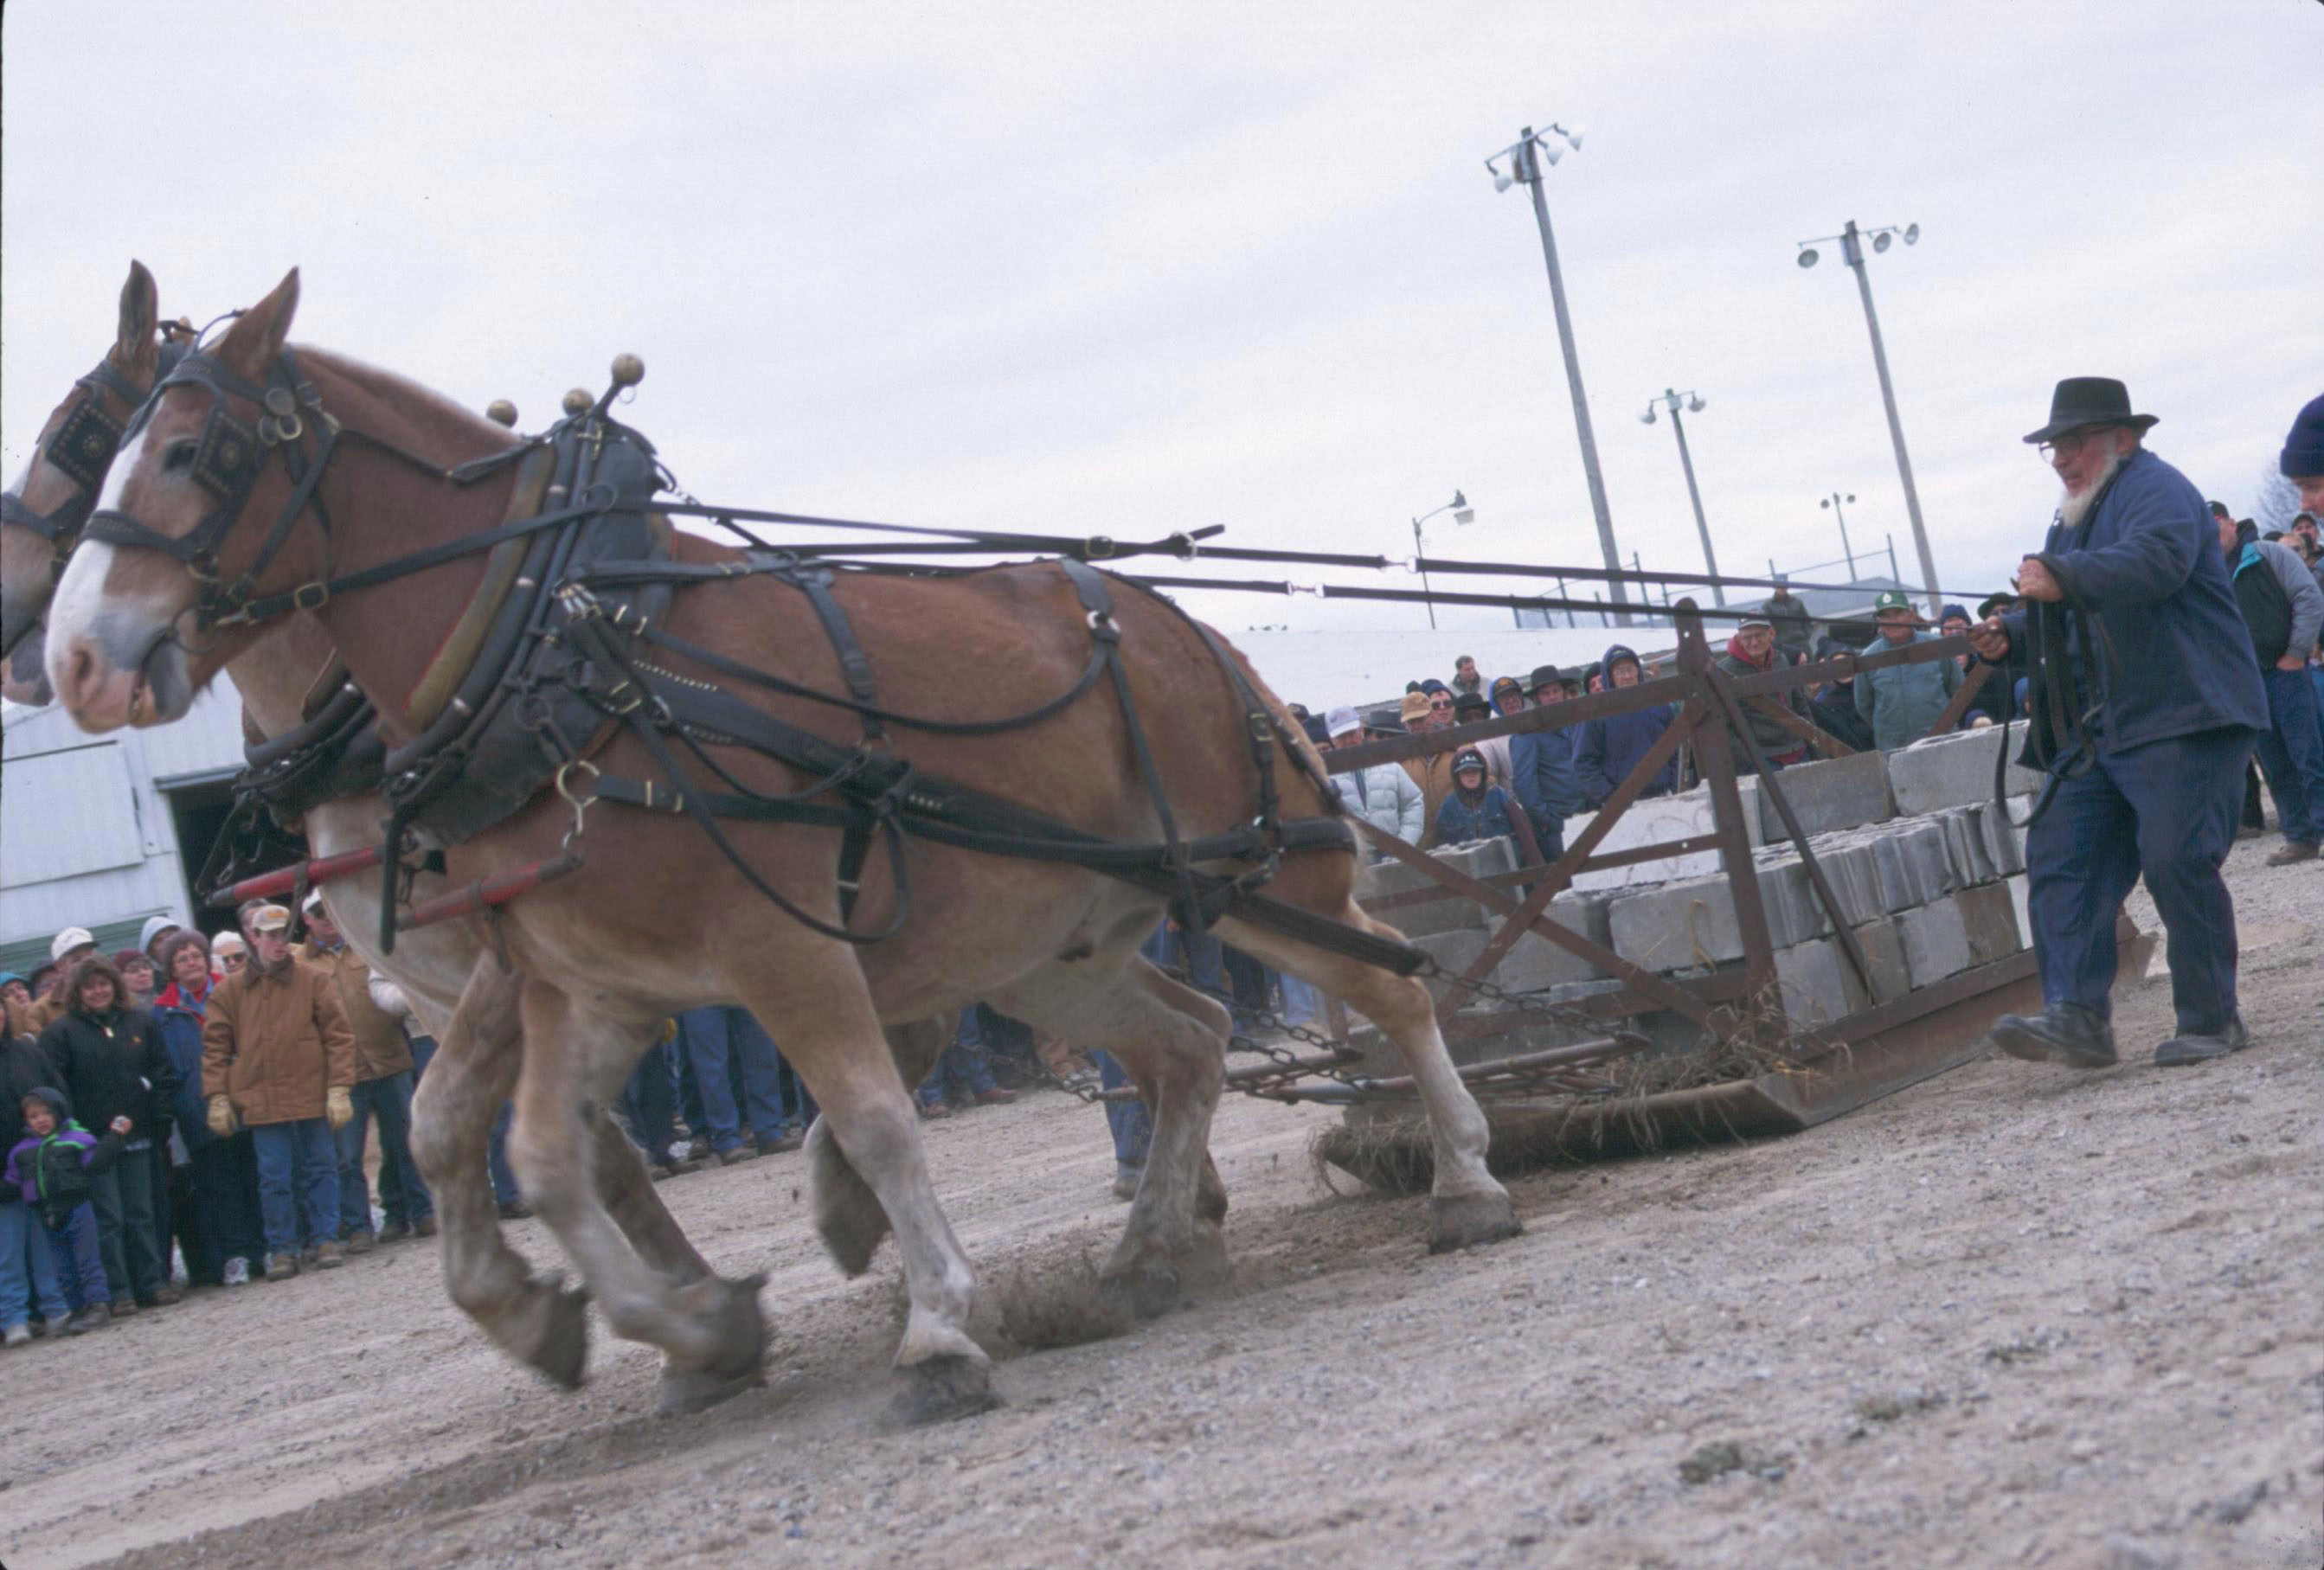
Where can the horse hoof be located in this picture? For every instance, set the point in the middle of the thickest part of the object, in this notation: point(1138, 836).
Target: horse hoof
point(558, 1347)
point(697, 1390)
point(941, 1389)
point(1146, 1291)
point(1465, 1220)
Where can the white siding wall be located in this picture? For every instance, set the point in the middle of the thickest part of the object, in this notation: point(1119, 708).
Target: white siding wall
point(85, 835)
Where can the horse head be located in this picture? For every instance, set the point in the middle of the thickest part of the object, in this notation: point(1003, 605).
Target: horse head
point(42, 513)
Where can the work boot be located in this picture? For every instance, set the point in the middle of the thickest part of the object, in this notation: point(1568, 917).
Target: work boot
point(87, 1317)
point(237, 1273)
point(281, 1267)
point(395, 1231)
point(932, 1110)
point(424, 1227)
point(734, 1155)
point(515, 1210)
point(2293, 850)
point(358, 1242)
point(168, 1296)
point(780, 1144)
point(2063, 1033)
point(16, 1335)
point(1125, 1180)
point(2188, 1048)
point(998, 1095)
point(328, 1256)
point(124, 1308)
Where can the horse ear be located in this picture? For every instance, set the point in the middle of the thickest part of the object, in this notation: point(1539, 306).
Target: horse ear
point(133, 351)
point(258, 334)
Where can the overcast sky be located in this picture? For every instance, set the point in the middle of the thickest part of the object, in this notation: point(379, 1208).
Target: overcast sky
point(1126, 271)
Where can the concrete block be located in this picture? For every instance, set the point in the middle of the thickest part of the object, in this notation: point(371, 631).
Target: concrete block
point(1912, 864)
point(1442, 915)
point(1967, 850)
point(1989, 921)
point(1952, 771)
point(1481, 860)
point(1855, 879)
point(1884, 955)
point(1936, 941)
point(1678, 924)
point(1816, 983)
point(1832, 792)
point(1659, 818)
point(2021, 890)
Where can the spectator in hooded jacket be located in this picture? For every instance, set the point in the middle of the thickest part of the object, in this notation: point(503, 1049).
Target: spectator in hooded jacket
point(55, 1168)
point(28, 1270)
point(67, 949)
point(1541, 767)
point(1383, 796)
point(1903, 702)
point(2284, 612)
point(278, 1057)
point(216, 1216)
point(1611, 745)
point(113, 1067)
point(381, 1094)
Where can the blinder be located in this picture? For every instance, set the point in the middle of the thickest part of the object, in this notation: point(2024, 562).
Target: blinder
point(82, 450)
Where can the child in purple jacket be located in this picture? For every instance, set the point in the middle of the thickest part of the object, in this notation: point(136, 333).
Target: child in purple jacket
point(50, 1167)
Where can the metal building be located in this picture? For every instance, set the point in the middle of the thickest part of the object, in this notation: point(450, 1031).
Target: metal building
point(101, 832)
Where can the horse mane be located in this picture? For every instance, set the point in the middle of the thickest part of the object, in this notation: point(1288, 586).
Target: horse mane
point(393, 387)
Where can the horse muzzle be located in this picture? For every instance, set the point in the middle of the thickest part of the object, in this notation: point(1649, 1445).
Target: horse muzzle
point(121, 671)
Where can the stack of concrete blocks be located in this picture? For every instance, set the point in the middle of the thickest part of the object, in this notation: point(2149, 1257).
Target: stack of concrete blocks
point(1927, 869)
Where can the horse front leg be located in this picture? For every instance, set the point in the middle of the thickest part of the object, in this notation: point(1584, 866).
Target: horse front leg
point(537, 1319)
point(711, 1333)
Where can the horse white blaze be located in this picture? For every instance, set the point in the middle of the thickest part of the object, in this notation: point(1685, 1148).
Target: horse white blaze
point(87, 627)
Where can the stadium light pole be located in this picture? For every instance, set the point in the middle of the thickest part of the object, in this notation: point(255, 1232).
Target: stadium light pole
point(1462, 513)
point(1833, 501)
point(1524, 158)
point(1851, 251)
point(1691, 401)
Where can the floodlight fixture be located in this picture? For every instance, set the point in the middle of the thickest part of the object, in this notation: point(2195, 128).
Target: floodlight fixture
point(1911, 234)
point(1807, 256)
point(1648, 418)
point(1694, 403)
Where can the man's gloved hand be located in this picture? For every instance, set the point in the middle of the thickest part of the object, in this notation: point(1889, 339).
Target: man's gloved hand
point(221, 1116)
point(339, 1107)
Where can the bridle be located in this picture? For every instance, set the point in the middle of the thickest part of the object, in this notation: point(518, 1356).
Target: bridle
point(82, 450)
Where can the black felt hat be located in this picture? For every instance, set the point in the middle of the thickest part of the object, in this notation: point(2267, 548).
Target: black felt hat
point(2088, 400)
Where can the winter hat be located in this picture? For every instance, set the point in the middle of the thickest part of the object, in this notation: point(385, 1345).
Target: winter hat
point(1416, 707)
point(2303, 449)
point(1950, 612)
point(71, 938)
point(60, 1104)
point(228, 943)
point(125, 956)
point(1343, 721)
point(1433, 687)
point(153, 928)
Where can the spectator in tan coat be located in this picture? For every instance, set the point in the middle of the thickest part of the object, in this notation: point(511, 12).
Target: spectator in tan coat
point(277, 1056)
point(383, 1093)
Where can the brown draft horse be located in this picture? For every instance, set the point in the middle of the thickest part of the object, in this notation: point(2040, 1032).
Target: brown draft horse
point(656, 921)
point(534, 1318)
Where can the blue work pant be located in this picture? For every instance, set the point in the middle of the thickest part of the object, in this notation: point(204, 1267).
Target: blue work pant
point(727, 1045)
point(128, 1231)
point(2292, 754)
point(80, 1267)
point(402, 1195)
point(1131, 1122)
point(303, 1146)
point(960, 1073)
point(2168, 810)
point(28, 1269)
point(648, 1105)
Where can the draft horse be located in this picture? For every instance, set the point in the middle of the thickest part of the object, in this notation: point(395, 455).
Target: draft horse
point(742, 668)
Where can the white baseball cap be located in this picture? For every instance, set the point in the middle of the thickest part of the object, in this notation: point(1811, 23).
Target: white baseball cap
point(1342, 721)
point(69, 939)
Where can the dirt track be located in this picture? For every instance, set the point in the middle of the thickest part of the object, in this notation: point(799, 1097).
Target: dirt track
point(2012, 1316)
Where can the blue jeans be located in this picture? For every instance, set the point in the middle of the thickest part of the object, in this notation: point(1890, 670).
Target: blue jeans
point(80, 1272)
point(2292, 754)
point(959, 1074)
point(225, 1206)
point(1301, 1002)
point(128, 1232)
point(726, 1044)
point(28, 1269)
point(402, 1194)
point(2168, 810)
point(650, 1105)
point(1131, 1122)
point(304, 1144)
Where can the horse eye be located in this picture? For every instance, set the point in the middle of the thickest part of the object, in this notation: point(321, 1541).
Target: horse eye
point(181, 454)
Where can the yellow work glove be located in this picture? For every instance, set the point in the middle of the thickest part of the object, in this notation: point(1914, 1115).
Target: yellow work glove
point(221, 1116)
point(338, 1107)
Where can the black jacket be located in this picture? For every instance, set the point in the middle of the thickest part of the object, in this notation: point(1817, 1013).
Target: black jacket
point(114, 1065)
point(1836, 715)
point(24, 1068)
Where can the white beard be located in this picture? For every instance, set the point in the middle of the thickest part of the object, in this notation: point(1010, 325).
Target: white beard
point(2075, 505)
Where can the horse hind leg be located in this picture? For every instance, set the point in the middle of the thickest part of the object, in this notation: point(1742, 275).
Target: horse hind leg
point(710, 1331)
point(537, 1319)
point(1466, 1204)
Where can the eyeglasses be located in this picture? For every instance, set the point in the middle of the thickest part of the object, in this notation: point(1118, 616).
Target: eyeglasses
point(1439, 704)
point(2071, 443)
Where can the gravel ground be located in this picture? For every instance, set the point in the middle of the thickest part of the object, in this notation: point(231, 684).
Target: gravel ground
point(2012, 1315)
